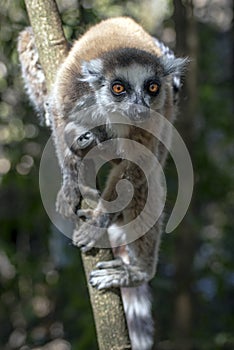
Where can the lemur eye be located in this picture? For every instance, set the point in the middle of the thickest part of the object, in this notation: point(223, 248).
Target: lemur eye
point(118, 88)
point(153, 88)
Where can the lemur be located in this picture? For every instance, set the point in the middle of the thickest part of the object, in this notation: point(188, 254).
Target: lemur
point(116, 71)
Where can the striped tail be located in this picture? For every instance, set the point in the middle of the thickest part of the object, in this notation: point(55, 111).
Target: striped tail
point(137, 307)
point(32, 72)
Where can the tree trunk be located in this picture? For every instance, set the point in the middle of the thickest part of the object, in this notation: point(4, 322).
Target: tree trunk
point(107, 306)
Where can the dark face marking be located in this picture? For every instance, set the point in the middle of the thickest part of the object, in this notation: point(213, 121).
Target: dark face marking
point(136, 91)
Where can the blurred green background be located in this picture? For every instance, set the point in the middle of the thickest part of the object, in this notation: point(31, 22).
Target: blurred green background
point(43, 294)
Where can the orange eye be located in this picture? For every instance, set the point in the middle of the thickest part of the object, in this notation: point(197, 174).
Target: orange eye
point(118, 88)
point(153, 88)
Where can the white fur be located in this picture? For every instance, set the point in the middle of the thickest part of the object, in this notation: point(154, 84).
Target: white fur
point(139, 342)
point(138, 305)
point(135, 74)
point(176, 81)
point(116, 235)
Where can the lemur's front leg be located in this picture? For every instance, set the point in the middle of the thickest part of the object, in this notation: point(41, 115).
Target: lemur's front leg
point(79, 142)
point(68, 197)
point(99, 219)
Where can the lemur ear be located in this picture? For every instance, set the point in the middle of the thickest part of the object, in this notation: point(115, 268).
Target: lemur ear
point(174, 65)
point(92, 71)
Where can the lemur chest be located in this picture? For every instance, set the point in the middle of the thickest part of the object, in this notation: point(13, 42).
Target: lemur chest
point(128, 138)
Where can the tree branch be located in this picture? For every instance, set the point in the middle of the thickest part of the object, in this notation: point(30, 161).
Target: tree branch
point(53, 48)
point(49, 37)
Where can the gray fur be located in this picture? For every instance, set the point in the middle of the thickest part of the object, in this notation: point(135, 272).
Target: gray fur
point(174, 65)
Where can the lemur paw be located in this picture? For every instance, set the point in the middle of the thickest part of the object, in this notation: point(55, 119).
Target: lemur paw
point(91, 231)
point(116, 273)
point(87, 235)
point(85, 140)
point(110, 274)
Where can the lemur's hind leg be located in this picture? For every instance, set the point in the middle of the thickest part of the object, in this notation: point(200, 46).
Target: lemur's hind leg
point(142, 255)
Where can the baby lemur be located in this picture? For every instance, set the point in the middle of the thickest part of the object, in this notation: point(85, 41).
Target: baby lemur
point(111, 86)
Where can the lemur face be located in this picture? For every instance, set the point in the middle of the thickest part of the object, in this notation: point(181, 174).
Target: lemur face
point(131, 80)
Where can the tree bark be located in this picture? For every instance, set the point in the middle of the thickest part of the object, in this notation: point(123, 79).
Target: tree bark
point(50, 40)
point(107, 306)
